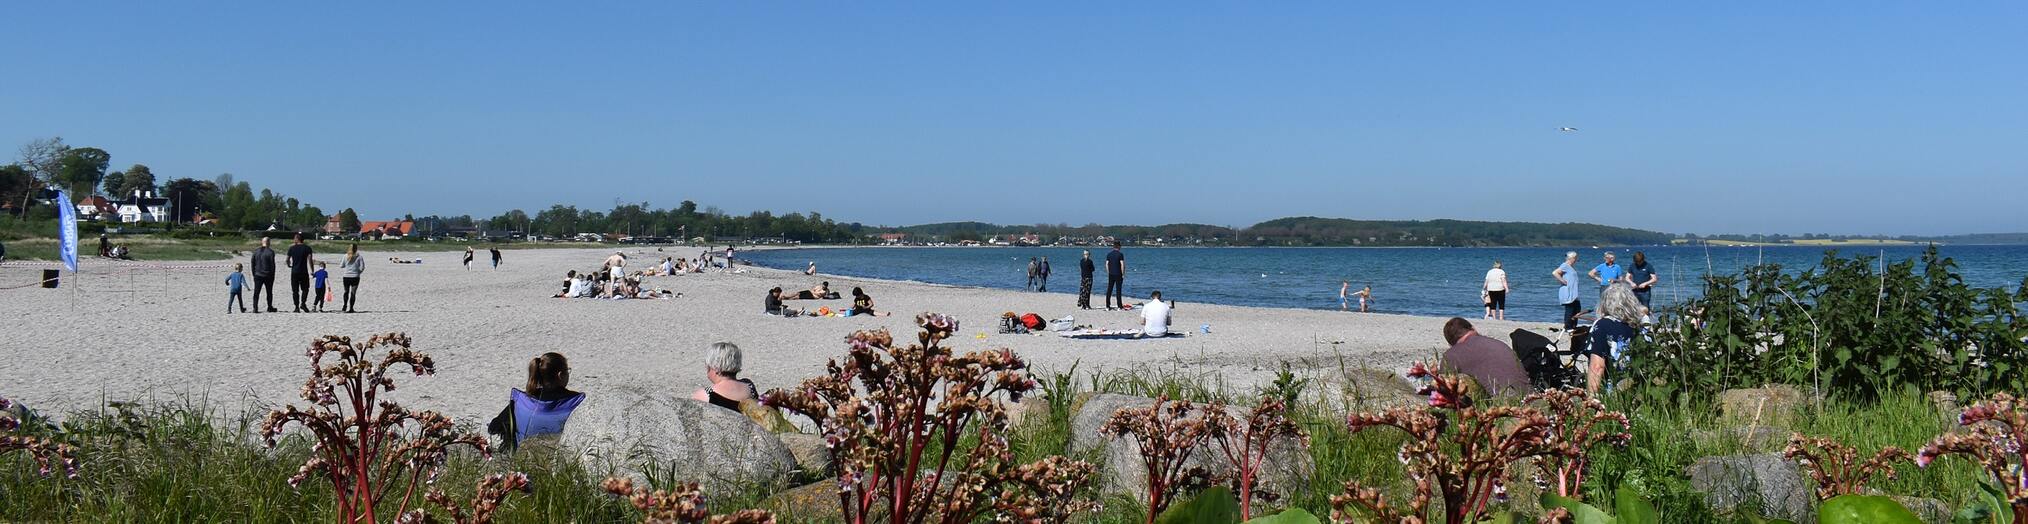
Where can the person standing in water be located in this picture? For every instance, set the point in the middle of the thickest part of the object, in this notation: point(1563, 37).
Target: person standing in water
point(1033, 271)
point(1496, 292)
point(1345, 295)
point(1116, 276)
point(1084, 271)
point(1043, 286)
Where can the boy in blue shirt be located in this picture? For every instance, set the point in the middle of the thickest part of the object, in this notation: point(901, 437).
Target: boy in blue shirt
point(234, 282)
point(319, 277)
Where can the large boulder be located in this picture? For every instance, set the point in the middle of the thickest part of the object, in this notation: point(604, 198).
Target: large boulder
point(1768, 405)
point(1744, 439)
point(1367, 389)
point(633, 431)
point(1764, 484)
point(1289, 466)
point(813, 454)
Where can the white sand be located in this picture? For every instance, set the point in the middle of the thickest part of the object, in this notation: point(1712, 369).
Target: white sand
point(117, 333)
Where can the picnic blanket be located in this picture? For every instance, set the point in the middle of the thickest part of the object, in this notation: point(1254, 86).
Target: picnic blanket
point(1115, 334)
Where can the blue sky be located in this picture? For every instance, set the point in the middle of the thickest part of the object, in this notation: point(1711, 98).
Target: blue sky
point(1797, 117)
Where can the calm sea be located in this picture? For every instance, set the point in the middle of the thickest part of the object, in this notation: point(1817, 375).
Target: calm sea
point(1421, 281)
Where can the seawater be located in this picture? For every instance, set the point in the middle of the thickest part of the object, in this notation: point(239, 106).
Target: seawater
point(1419, 281)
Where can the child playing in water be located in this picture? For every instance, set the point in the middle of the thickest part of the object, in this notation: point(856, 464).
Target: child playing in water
point(318, 283)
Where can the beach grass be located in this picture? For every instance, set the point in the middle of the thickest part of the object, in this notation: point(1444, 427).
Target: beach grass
point(185, 461)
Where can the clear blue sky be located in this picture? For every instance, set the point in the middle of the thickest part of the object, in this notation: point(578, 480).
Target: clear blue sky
point(1796, 117)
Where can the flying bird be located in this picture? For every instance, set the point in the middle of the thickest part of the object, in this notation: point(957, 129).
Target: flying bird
point(1567, 129)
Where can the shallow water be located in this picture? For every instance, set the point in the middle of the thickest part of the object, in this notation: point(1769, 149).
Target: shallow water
point(1420, 281)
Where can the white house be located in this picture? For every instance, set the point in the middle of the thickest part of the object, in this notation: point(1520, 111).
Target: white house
point(144, 206)
point(95, 208)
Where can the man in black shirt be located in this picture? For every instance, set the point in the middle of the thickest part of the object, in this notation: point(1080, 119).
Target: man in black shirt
point(1043, 285)
point(264, 275)
point(299, 274)
point(1084, 270)
point(1116, 275)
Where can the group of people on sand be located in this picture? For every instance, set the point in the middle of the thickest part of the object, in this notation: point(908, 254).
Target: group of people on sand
point(1625, 295)
point(543, 404)
point(776, 302)
point(612, 281)
point(307, 287)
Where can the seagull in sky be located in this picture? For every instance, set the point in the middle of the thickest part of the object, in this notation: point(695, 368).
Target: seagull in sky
point(1567, 129)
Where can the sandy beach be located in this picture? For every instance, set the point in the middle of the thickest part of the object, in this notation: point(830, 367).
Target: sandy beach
point(133, 331)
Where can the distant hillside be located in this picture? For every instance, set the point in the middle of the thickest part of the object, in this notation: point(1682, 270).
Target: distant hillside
point(1308, 231)
point(1313, 231)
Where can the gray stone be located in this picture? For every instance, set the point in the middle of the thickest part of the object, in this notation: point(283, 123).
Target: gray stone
point(1030, 410)
point(813, 502)
point(1769, 405)
point(1288, 466)
point(1364, 389)
point(1946, 403)
point(1931, 511)
point(632, 432)
point(813, 456)
point(1763, 484)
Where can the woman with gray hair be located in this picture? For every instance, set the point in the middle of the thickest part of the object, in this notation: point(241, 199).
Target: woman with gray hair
point(1618, 311)
point(727, 390)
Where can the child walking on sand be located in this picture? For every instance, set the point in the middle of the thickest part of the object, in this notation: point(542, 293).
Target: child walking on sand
point(233, 283)
point(319, 277)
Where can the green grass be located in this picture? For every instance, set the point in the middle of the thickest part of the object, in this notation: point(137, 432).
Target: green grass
point(176, 462)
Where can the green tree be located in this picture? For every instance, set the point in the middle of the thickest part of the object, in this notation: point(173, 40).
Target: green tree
point(80, 169)
point(348, 221)
point(16, 182)
point(189, 196)
point(136, 178)
point(113, 182)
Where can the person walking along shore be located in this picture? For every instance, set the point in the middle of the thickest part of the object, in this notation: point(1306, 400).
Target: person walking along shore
point(264, 276)
point(1084, 271)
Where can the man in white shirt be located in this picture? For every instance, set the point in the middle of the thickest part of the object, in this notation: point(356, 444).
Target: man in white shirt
point(1155, 316)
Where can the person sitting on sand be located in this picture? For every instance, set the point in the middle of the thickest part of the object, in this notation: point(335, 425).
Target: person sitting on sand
point(862, 304)
point(541, 407)
point(812, 270)
point(1490, 362)
point(774, 302)
point(727, 390)
point(569, 278)
point(1155, 316)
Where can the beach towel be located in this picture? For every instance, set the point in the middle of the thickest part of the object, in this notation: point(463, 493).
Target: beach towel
point(1108, 334)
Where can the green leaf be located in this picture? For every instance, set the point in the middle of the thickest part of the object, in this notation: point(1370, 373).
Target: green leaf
point(1288, 516)
point(1633, 509)
point(1985, 509)
point(1864, 509)
point(1580, 513)
point(1212, 506)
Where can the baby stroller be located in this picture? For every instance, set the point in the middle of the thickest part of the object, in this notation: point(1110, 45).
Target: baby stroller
point(1548, 366)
